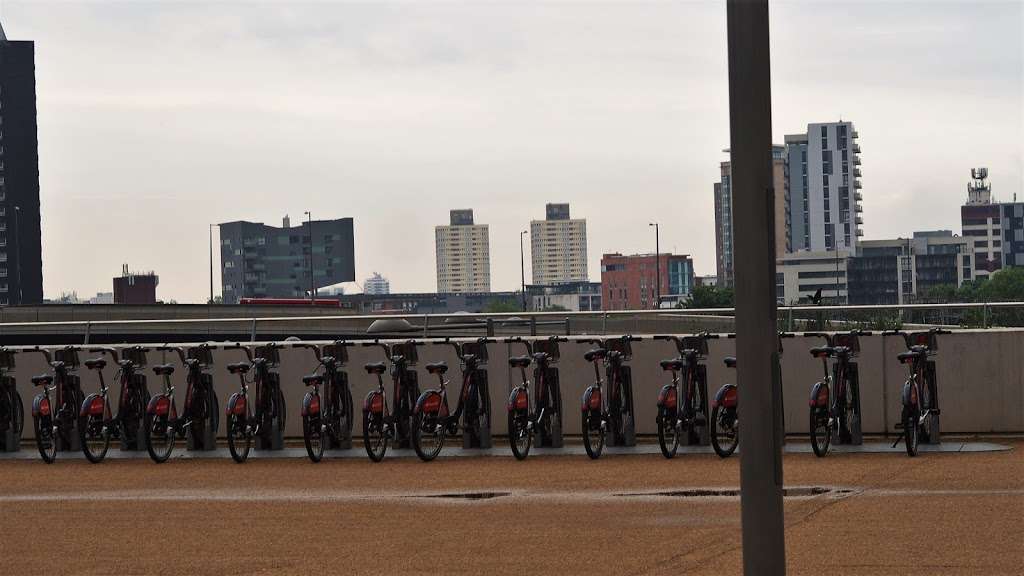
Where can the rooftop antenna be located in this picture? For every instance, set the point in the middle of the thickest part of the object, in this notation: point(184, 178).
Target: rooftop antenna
point(979, 191)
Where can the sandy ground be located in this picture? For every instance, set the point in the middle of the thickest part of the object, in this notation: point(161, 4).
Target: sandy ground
point(937, 514)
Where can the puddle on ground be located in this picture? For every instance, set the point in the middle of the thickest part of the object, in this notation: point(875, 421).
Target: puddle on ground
point(464, 495)
point(792, 492)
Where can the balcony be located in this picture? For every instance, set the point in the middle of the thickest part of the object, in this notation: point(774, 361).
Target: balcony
point(856, 160)
point(856, 172)
point(855, 135)
point(856, 148)
point(856, 184)
point(859, 232)
point(859, 220)
point(858, 208)
point(857, 196)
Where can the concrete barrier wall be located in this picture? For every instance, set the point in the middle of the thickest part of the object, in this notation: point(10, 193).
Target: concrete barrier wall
point(981, 388)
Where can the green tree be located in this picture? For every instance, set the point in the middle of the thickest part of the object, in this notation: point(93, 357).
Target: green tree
point(710, 297)
point(500, 306)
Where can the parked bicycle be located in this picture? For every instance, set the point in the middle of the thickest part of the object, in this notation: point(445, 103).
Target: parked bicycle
point(12, 413)
point(682, 403)
point(55, 421)
point(432, 420)
point(326, 419)
point(130, 422)
point(380, 426)
point(98, 425)
point(200, 413)
point(612, 414)
point(725, 421)
point(920, 396)
point(248, 421)
point(544, 414)
point(833, 403)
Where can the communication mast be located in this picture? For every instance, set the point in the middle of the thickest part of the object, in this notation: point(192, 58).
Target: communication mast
point(979, 191)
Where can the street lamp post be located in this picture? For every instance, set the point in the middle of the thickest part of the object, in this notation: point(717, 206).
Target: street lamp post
point(312, 289)
point(522, 266)
point(657, 265)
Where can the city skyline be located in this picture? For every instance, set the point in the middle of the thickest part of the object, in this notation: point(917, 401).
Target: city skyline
point(399, 114)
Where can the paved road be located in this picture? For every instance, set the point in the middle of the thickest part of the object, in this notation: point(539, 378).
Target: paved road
point(852, 513)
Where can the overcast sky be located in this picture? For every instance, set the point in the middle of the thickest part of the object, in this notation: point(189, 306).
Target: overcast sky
point(156, 119)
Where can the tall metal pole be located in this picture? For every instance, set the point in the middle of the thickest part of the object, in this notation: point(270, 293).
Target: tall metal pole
point(657, 266)
point(522, 266)
point(764, 551)
point(211, 263)
point(312, 290)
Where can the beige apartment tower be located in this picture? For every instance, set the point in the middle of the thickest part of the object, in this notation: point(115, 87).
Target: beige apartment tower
point(558, 247)
point(463, 255)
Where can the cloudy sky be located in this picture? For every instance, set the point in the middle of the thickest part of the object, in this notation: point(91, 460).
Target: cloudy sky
point(158, 118)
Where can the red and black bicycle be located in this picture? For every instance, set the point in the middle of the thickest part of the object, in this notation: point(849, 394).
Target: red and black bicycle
point(920, 396)
point(833, 404)
point(200, 413)
point(682, 403)
point(612, 413)
point(326, 416)
point(248, 421)
point(380, 426)
point(55, 420)
point(543, 414)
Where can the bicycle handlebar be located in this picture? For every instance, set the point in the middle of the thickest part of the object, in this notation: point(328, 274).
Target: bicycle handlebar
point(313, 347)
point(237, 346)
point(169, 348)
point(105, 350)
point(46, 353)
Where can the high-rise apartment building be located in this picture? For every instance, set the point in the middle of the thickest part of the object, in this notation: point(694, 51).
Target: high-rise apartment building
point(558, 247)
point(981, 221)
point(824, 188)
point(632, 283)
point(260, 261)
point(463, 255)
point(21, 263)
point(376, 285)
point(724, 221)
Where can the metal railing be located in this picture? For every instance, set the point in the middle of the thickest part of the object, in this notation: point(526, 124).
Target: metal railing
point(790, 318)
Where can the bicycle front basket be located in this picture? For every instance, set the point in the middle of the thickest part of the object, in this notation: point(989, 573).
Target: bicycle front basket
point(549, 347)
point(269, 353)
point(698, 343)
point(337, 351)
point(478, 349)
point(136, 354)
point(201, 353)
point(848, 340)
point(923, 339)
point(620, 345)
point(406, 350)
point(68, 356)
point(6, 360)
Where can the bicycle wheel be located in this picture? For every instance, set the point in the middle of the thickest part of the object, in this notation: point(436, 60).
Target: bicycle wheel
point(46, 442)
point(375, 436)
point(910, 430)
point(725, 431)
point(18, 413)
point(159, 436)
point(239, 438)
point(821, 431)
point(593, 434)
point(427, 435)
point(94, 435)
point(668, 432)
point(131, 416)
point(313, 436)
point(520, 436)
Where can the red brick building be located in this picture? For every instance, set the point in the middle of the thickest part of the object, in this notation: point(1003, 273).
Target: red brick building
point(132, 288)
point(628, 282)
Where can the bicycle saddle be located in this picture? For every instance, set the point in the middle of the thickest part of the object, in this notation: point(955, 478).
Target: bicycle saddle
point(519, 361)
point(819, 351)
point(595, 354)
point(730, 361)
point(313, 379)
point(376, 368)
point(437, 367)
point(675, 364)
point(42, 380)
point(238, 367)
point(163, 370)
point(914, 352)
point(96, 364)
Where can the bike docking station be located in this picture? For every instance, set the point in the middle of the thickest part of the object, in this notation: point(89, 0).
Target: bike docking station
point(476, 433)
point(547, 417)
point(12, 413)
point(198, 360)
point(135, 360)
point(269, 356)
point(845, 347)
point(63, 363)
point(335, 410)
point(622, 422)
point(925, 344)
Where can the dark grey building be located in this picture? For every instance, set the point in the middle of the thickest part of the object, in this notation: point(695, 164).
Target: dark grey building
point(1012, 223)
point(260, 261)
point(21, 262)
